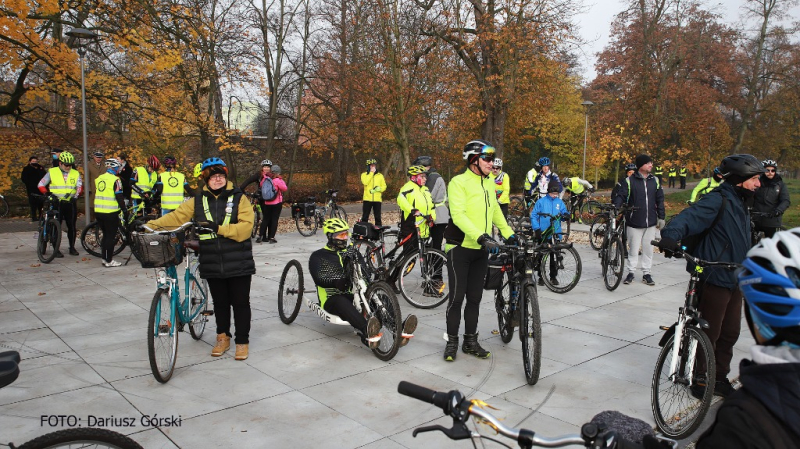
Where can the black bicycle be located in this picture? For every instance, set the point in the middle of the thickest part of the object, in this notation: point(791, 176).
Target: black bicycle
point(48, 240)
point(558, 263)
point(309, 220)
point(612, 248)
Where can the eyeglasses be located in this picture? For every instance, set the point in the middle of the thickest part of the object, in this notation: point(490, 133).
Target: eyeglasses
point(218, 176)
point(770, 170)
point(489, 157)
point(495, 168)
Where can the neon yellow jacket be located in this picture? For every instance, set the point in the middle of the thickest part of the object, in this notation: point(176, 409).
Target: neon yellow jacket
point(412, 196)
point(474, 208)
point(374, 184)
point(502, 187)
point(704, 186)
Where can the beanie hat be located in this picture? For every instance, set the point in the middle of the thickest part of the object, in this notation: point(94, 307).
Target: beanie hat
point(276, 169)
point(553, 186)
point(642, 159)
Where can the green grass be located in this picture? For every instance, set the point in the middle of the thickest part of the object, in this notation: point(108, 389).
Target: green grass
point(676, 202)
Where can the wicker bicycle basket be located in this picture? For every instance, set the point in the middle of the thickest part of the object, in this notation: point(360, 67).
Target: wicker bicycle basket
point(158, 250)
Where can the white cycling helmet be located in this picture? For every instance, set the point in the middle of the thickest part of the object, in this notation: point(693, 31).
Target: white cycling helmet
point(266, 162)
point(498, 162)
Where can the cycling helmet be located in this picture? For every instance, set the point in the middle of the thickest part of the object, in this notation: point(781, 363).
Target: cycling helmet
point(769, 163)
point(567, 181)
point(211, 162)
point(423, 160)
point(372, 161)
point(629, 167)
point(266, 162)
point(417, 170)
point(153, 162)
point(66, 158)
point(198, 170)
point(170, 161)
point(497, 163)
point(738, 168)
point(333, 226)
point(544, 161)
point(717, 172)
point(770, 283)
point(476, 148)
point(211, 166)
point(113, 164)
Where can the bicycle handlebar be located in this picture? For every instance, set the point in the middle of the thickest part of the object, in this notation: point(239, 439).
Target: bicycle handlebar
point(182, 227)
point(697, 261)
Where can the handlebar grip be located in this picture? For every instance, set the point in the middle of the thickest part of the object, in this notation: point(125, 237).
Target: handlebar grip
point(423, 394)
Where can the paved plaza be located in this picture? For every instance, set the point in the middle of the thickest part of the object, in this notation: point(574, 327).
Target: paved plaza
point(81, 330)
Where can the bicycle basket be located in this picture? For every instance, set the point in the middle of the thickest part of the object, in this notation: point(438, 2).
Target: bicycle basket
point(158, 250)
point(495, 272)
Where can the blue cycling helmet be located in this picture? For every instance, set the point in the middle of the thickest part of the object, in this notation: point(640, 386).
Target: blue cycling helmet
point(717, 172)
point(544, 161)
point(211, 162)
point(770, 284)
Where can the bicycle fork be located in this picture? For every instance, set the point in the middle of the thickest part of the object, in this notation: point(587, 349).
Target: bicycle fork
point(683, 354)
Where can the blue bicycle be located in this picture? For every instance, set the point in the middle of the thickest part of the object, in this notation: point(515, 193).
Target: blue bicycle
point(169, 313)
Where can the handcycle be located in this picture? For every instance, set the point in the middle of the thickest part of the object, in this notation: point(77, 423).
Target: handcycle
point(169, 313)
point(460, 409)
point(48, 239)
point(374, 299)
point(517, 302)
point(686, 362)
point(612, 247)
point(308, 225)
point(67, 438)
point(558, 263)
point(420, 275)
point(255, 200)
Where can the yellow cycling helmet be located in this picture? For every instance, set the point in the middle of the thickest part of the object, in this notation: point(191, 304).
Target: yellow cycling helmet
point(198, 170)
point(333, 226)
point(417, 170)
point(66, 158)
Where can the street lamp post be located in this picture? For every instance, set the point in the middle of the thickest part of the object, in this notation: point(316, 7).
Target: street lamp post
point(586, 105)
point(81, 34)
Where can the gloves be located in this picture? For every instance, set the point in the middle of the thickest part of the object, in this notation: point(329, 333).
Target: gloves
point(591, 190)
point(489, 244)
point(209, 225)
point(512, 240)
point(668, 245)
point(374, 189)
point(415, 212)
point(538, 234)
point(565, 216)
point(660, 223)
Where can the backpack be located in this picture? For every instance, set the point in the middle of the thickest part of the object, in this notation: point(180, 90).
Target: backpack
point(268, 190)
point(690, 242)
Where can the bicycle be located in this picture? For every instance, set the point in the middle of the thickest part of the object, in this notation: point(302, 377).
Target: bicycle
point(308, 225)
point(373, 299)
point(74, 437)
point(420, 275)
point(3, 206)
point(517, 302)
point(519, 208)
point(255, 199)
point(49, 234)
point(168, 315)
point(459, 408)
point(589, 206)
point(558, 262)
point(92, 235)
point(613, 249)
point(686, 365)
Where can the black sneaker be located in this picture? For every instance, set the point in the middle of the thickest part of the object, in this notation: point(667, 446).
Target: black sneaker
point(541, 281)
point(697, 391)
point(73, 252)
point(59, 254)
point(628, 279)
point(647, 279)
point(273, 241)
point(723, 388)
point(259, 239)
point(373, 337)
point(553, 281)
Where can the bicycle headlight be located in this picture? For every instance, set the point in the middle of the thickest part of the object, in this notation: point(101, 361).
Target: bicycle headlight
point(161, 276)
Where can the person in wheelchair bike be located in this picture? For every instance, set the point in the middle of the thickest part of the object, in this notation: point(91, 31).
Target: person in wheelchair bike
point(553, 205)
point(330, 268)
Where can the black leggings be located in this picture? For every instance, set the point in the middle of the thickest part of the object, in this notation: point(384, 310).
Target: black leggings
point(232, 293)
point(342, 306)
point(437, 235)
point(467, 270)
point(270, 215)
point(108, 223)
point(69, 213)
point(376, 209)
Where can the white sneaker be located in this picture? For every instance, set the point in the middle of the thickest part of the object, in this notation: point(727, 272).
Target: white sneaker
point(111, 264)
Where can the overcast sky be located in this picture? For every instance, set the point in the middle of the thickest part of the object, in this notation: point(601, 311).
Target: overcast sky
point(595, 24)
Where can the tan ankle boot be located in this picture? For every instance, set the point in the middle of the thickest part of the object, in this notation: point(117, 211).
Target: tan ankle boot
point(241, 352)
point(223, 344)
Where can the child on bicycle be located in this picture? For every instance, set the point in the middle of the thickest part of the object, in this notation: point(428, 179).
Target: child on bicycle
point(330, 268)
point(549, 204)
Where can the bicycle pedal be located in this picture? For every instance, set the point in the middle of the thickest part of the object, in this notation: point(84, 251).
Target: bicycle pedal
point(207, 313)
point(664, 328)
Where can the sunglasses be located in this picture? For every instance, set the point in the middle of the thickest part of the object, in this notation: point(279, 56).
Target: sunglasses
point(495, 168)
point(770, 170)
point(487, 157)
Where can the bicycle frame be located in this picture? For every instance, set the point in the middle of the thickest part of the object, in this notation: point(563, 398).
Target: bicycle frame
point(687, 315)
point(359, 299)
point(388, 269)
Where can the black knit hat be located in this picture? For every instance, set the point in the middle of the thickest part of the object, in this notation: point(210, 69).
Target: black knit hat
point(642, 159)
point(553, 186)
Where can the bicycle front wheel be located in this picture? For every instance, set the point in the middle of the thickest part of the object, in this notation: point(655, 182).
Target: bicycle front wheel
point(561, 269)
point(384, 305)
point(290, 292)
point(162, 337)
point(676, 409)
point(597, 231)
point(423, 280)
point(614, 263)
point(589, 211)
point(502, 305)
point(370, 253)
point(530, 332)
point(306, 226)
point(82, 437)
point(49, 240)
point(338, 212)
point(199, 297)
point(256, 222)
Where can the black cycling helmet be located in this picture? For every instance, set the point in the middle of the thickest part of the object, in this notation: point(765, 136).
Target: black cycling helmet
point(738, 168)
point(629, 167)
point(477, 148)
point(427, 161)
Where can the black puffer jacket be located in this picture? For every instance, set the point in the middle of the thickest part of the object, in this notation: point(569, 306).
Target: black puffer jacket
point(222, 257)
point(647, 195)
point(772, 196)
point(728, 241)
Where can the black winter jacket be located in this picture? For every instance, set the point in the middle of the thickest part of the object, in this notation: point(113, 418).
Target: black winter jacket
point(728, 241)
point(764, 413)
point(772, 196)
point(221, 257)
point(647, 195)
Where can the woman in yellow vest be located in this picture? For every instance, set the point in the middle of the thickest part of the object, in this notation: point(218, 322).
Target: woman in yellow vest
point(144, 178)
point(171, 185)
point(374, 184)
point(108, 201)
point(66, 183)
point(414, 200)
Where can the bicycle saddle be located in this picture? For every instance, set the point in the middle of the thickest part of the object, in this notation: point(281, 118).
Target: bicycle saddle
point(9, 371)
point(9, 355)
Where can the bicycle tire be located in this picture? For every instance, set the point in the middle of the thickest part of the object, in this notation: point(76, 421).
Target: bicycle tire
point(383, 302)
point(424, 285)
point(338, 212)
point(530, 332)
point(566, 279)
point(92, 239)
point(3, 207)
point(198, 290)
point(516, 207)
point(306, 226)
point(85, 435)
point(589, 210)
point(613, 263)
point(256, 222)
point(667, 409)
point(597, 232)
point(290, 292)
point(162, 351)
point(502, 305)
point(373, 258)
point(49, 235)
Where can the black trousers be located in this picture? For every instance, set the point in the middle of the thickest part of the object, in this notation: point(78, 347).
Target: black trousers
point(35, 205)
point(269, 219)
point(232, 293)
point(437, 235)
point(375, 206)
point(504, 208)
point(683, 182)
point(69, 213)
point(722, 308)
point(108, 223)
point(466, 269)
point(671, 181)
point(342, 306)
